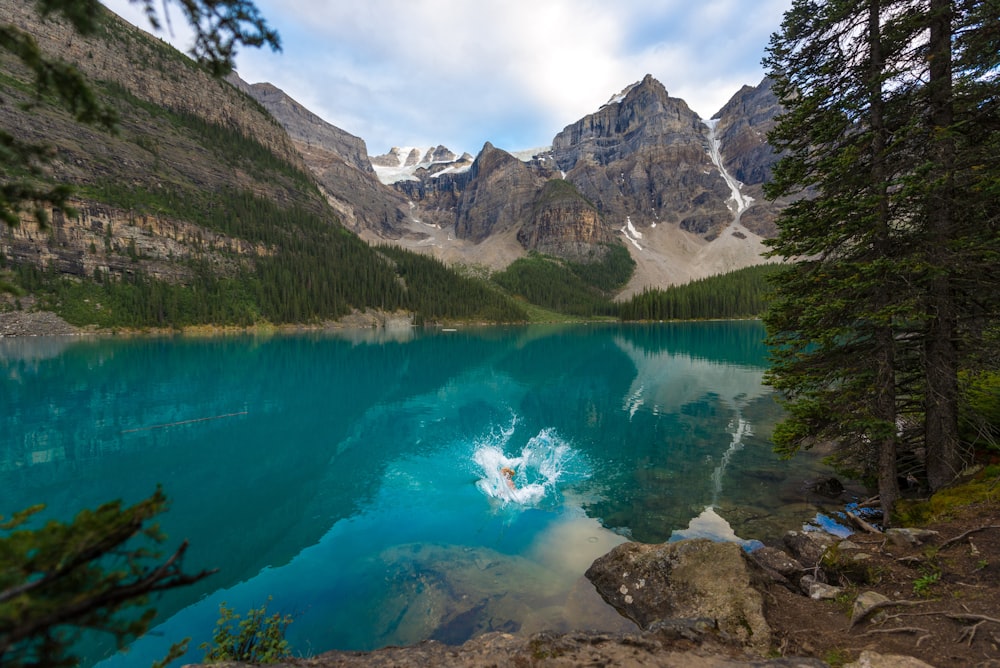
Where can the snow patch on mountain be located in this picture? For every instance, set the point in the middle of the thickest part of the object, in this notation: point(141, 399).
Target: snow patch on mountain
point(402, 162)
point(631, 234)
point(738, 202)
point(529, 154)
point(616, 99)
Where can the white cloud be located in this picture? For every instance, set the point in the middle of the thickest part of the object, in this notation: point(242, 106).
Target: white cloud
point(512, 72)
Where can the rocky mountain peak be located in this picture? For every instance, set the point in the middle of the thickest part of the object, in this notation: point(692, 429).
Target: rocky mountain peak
point(498, 196)
point(403, 164)
point(412, 158)
point(744, 122)
point(439, 154)
point(641, 116)
point(491, 158)
point(306, 128)
point(396, 157)
point(638, 170)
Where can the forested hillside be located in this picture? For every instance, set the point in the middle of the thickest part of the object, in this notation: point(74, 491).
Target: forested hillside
point(194, 208)
point(737, 294)
point(573, 288)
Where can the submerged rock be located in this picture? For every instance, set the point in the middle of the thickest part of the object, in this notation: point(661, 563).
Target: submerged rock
point(831, 488)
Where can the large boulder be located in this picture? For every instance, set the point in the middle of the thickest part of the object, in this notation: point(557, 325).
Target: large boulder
point(695, 579)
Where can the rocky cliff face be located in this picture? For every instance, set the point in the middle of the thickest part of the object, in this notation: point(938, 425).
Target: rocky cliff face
point(122, 54)
point(563, 223)
point(339, 161)
point(305, 128)
point(498, 196)
point(642, 157)
point(106, 241)
point(183, 137)
point(744, 122)
point(642, 173)
point(743, 126)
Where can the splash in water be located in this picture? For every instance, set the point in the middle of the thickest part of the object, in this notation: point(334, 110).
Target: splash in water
point(544, 461)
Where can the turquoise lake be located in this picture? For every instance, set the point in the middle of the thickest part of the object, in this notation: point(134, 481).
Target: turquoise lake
point(354, 477)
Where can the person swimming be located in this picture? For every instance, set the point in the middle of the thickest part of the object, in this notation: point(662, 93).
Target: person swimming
point(508, 475)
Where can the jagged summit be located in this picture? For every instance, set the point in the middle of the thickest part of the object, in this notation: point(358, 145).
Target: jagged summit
point(402, 163)
point(645, 115)
point(642, 170)
point(618, 97)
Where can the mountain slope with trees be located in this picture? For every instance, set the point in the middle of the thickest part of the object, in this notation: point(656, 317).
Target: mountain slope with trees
point(191, 204)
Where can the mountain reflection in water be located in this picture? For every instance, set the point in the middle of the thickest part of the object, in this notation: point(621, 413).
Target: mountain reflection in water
point(340, 475)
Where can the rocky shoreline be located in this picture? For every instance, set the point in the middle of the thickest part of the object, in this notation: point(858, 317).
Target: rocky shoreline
point(35, 323)
point(817, 600)
point(29, 322)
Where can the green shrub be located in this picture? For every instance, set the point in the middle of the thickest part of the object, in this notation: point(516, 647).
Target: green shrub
point(259, 638)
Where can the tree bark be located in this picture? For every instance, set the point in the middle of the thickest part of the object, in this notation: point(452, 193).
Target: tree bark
point(943, 460)
point(884, 404)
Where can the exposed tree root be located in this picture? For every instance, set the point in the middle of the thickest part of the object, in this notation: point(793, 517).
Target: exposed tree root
point(969, 632)
point(881, 606)
point(960, 537)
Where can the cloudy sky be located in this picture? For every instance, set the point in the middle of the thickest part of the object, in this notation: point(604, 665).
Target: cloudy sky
point(511, 72)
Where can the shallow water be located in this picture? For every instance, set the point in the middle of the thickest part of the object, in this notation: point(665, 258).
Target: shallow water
point(356, 478)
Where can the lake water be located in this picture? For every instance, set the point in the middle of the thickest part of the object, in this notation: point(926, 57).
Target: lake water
point(355, 478)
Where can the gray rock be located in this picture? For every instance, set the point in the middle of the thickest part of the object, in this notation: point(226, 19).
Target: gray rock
point(808, 547)
point(687, 580)
point(778, 560)
point(869, 659)
point(820, 591)
point(864, 604)
point(907, 537)
point(544, 649)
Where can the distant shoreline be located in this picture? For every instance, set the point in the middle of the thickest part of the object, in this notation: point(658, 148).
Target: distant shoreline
point(30, 323)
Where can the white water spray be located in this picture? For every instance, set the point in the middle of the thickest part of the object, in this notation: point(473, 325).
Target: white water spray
point(544, 461)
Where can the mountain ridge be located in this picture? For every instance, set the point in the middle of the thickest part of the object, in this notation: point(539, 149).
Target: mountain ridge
point(200, 208)
point(641, 159)
point(636, 173)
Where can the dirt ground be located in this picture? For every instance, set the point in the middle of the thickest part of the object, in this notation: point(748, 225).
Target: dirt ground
point(946, 596)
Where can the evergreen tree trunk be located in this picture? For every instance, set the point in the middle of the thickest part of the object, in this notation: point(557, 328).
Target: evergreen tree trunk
point(941, 356)
point(884, 404)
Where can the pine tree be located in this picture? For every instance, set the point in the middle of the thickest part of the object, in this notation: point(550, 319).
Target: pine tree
point(61, 578)
point(866, 320)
